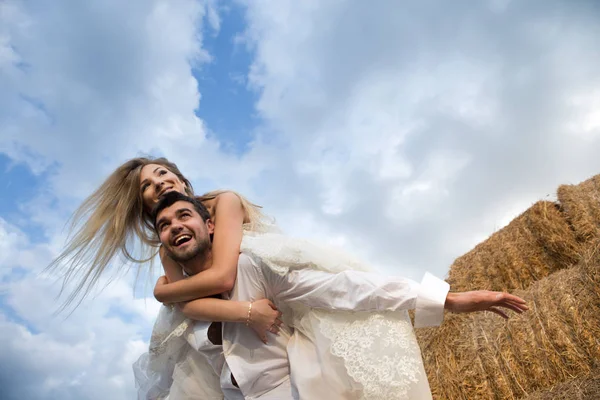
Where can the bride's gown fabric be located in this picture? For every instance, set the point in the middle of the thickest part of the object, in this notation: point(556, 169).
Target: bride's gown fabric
point(338, 355)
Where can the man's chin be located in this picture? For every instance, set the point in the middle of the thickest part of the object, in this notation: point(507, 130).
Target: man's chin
point(182, 257)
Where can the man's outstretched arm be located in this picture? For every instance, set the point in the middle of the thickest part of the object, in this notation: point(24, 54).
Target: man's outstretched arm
point(360, 291)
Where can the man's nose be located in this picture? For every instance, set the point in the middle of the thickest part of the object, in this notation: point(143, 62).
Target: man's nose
point(176, 227)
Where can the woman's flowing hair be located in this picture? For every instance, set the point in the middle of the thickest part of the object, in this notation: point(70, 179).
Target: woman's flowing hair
point(107, 224)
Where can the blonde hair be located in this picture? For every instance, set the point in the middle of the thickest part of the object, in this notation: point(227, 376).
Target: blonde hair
point(108, 220)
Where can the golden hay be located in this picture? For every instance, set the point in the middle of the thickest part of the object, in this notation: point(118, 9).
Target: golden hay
point(581, 206)
point(531, 247)
point(480, 356)
point(586, 388)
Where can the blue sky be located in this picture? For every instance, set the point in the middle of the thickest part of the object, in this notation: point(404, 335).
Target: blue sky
point(403, 132)
point(227, 104)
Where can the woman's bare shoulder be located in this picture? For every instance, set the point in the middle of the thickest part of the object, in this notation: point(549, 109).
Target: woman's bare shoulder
point(225, 203)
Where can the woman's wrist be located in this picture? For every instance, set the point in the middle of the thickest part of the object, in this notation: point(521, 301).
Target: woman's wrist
point(249, 316)
point(241, 311)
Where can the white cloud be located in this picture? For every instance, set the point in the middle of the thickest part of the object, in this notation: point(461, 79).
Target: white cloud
point(411, 130)
point(59, 355)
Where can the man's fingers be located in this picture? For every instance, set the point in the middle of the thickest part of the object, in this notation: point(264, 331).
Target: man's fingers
point(499, 312)
point(519, 305)
point(514, 299)
point(522, 307)
point(278, 322)
point(505, 299)
point(513, 307)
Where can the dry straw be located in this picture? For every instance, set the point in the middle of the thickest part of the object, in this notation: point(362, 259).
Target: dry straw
point(587, 388)
point(581, 206)
point(480, 356)
point(535, 244)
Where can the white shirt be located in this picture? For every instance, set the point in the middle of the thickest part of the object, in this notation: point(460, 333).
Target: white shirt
point(260, 369)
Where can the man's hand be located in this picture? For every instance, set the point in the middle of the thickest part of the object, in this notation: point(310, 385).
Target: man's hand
point(484, 300)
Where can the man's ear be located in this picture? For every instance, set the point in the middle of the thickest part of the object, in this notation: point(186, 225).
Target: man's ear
point(210, 226)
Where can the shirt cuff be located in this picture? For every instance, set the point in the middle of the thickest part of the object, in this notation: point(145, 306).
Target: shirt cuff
point(431, 298)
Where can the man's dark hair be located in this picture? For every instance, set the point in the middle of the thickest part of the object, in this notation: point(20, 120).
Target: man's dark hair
point(173, 197)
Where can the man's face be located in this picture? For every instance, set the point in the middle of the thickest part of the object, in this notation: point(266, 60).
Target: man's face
point(182, 231)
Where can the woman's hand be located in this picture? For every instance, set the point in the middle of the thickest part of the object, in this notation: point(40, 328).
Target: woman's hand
point(484, 300)
point(264, 318)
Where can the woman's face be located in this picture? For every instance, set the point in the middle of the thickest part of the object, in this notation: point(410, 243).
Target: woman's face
point(156, 180)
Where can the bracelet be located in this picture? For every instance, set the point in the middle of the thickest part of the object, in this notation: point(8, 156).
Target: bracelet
point(248, 319)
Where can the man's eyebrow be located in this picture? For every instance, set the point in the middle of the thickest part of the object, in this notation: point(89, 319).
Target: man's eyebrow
point(159, 221)
point(182, 210)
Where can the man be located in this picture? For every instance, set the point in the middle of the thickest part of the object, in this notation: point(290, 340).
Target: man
point(253, 370)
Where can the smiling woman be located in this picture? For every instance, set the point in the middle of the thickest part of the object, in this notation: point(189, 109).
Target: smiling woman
point(114, 215)
point(157, 180)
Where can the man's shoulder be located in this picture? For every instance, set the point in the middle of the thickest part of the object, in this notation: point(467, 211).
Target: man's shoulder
point(250, 266)
point(246, 260)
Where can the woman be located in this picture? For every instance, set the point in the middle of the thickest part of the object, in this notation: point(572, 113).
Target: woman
point(119, 209)
point(113, 221)
point(366, 355)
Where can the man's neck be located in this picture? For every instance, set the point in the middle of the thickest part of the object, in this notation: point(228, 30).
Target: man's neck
point(198, 264)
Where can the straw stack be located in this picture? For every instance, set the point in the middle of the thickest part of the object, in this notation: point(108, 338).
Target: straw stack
point(480, 356)
point(581, 206)
point(535, 244)
point(586, 388)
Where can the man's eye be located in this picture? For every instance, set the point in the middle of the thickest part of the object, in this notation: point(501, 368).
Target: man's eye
point(185, 216)
point(162, 227)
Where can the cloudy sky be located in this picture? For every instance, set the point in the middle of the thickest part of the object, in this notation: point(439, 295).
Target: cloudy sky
point(405, 132)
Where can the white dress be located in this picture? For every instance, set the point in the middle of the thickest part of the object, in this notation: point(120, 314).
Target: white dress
point(348, 355)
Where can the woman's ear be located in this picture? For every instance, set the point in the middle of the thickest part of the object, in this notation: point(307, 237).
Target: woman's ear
point(186, 187)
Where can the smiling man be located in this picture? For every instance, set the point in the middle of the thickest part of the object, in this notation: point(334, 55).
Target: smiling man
point(254, 370)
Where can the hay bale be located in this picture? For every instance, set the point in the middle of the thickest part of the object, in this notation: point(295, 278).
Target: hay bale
point(581, 206)
point(481, 356)
point(585, 388)
point(535, 244)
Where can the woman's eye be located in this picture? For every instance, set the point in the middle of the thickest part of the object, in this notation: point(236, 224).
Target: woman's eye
point(162, 172)
point(144, 187)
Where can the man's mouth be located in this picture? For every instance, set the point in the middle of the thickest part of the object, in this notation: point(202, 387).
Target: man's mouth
point(181, 239)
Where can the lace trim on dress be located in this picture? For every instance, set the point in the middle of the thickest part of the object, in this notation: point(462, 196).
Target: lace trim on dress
point(379, 350)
